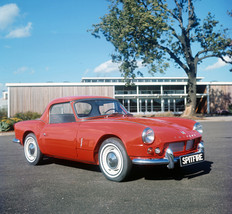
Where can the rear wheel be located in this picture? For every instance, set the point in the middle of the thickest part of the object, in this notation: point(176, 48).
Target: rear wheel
point(113, 160)
point(31, 150)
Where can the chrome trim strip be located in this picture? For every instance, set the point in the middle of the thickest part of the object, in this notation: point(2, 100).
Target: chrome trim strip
point(81, 142)
point(16, 141)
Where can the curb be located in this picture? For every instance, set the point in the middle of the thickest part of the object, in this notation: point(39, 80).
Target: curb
point(7, 133)
point(217, 119)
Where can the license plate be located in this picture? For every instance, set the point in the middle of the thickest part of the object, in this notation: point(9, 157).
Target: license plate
point(191, 159)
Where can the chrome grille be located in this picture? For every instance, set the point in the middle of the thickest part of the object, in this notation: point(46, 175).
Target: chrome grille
point(177, 147)
point(182, 146)
point(189, 144)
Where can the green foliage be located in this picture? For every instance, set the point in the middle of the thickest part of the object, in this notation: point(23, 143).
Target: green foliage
point(3, 113)
point(7, 124)
point(154, 31)
point(134, 27)
point(229, 13)
point(27, 115)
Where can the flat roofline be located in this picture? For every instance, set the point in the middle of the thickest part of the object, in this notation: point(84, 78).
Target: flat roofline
point(113, 78)
point(214, 83)
point(109, 84)
point(43, 84)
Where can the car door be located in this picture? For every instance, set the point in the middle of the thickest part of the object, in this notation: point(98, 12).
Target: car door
point(60, 134)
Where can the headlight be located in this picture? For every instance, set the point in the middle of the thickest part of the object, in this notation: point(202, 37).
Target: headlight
point(198, 127)
point(148, 136)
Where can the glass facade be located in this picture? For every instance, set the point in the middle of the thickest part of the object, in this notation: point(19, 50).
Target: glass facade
point(125, 89)
point(173, 89)
point(150, 95)
point(149, 89)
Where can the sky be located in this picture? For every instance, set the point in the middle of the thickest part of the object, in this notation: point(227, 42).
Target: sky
point(48, 41)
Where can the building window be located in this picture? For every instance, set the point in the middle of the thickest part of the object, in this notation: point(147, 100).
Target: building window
point(201, 89)
point(149, 89)
point(179, 105)
point(173, 89)
point(125, 90)
point(150, 105)
point(156, 105)
point(129, 104)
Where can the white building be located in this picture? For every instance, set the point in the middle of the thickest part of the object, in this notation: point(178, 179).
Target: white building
point(145, 95)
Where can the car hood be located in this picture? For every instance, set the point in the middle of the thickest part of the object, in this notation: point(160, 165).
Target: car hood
point(165, 129)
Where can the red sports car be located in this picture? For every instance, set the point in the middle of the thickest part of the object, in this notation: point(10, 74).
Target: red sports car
point(99, 130)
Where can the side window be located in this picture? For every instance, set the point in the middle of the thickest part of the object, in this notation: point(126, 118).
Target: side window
point(61, 113)
point(83, 109)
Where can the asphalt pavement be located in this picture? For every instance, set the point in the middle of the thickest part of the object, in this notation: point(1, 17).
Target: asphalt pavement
point(59, 186)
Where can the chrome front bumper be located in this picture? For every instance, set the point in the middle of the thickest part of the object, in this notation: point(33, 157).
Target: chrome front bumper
point(169, 159)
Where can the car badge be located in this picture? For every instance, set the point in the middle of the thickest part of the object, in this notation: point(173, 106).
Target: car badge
point(182, 132)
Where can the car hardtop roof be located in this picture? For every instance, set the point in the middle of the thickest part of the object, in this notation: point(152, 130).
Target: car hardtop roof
point(73, 98)
point(45, 116)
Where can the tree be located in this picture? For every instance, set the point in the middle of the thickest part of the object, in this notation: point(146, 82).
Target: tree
point(156, 32)
point(229, 13)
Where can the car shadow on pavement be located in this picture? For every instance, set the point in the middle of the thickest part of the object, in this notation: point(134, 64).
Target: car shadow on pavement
point(146, 172)
point(163, 173)
point(69, 163)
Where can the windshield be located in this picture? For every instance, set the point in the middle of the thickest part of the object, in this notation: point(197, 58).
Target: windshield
point(99, 107)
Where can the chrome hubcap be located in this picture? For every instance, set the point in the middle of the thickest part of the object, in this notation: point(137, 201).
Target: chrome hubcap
point(112, 160)
point(31, 149)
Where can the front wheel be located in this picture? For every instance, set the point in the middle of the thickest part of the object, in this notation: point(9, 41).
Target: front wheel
point(113, 160)
point(31, 150)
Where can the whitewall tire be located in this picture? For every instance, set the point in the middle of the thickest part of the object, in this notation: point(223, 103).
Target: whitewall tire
point(31, 150)
point(113, 160)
